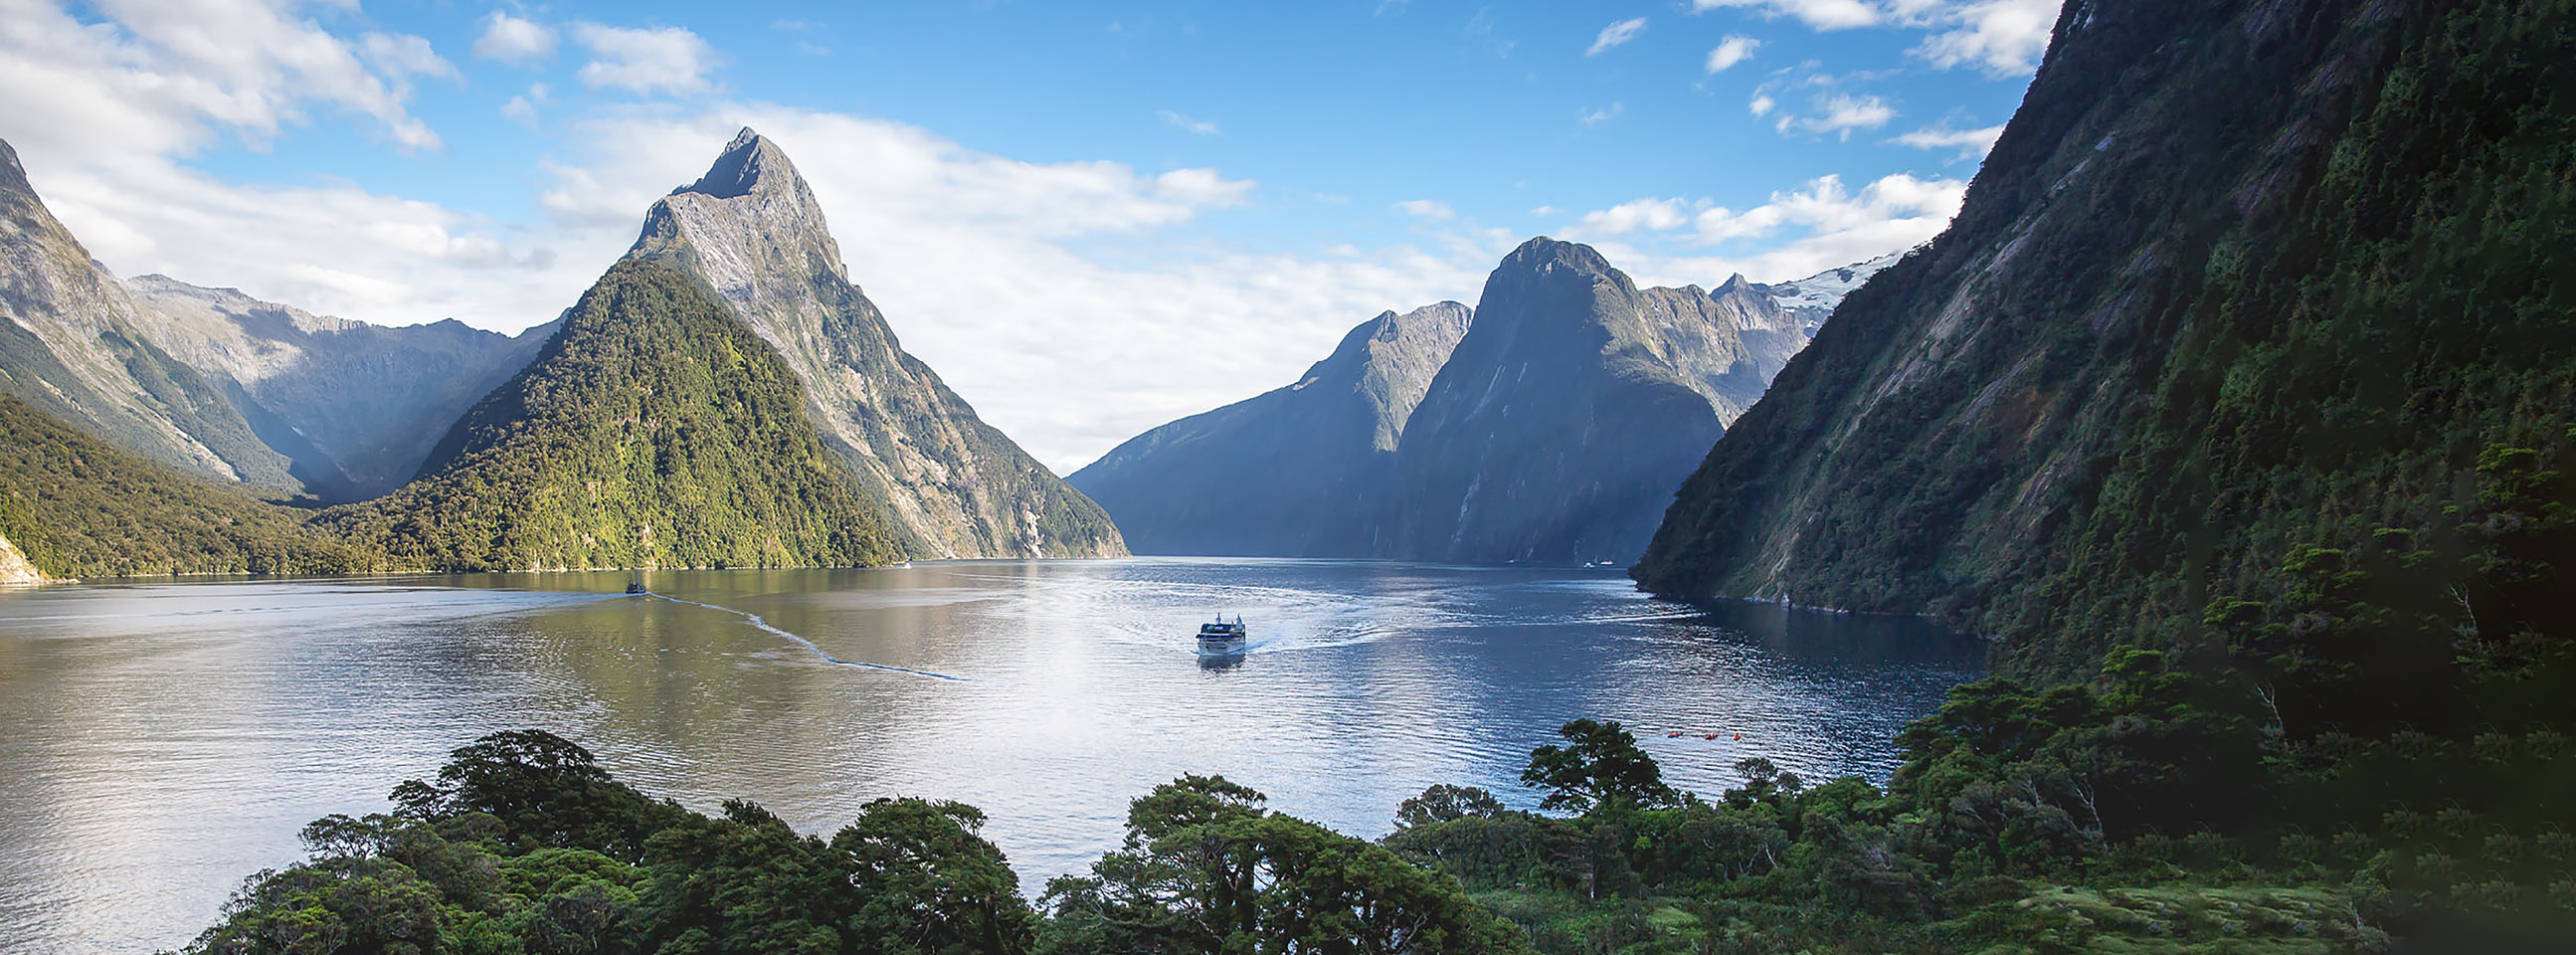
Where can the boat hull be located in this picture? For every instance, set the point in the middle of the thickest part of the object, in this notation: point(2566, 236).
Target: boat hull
point(1221, 647)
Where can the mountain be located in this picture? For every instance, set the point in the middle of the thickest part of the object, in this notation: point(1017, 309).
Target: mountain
point(2245, 293)
point(73, 347)
point(1306, 470)
point(957, 487)
point(1549, 424)
point(1811, 300)
point(356, 407)
point(652, 430)
point(72, 505)
point(1566, 416)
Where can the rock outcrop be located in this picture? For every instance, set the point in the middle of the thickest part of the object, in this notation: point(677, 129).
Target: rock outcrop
point(74, 345)
point(15, 568)
point(356, 407)
point(1305, 470)
point(956, 487)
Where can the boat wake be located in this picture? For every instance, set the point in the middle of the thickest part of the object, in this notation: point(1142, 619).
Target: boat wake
point(802, 642)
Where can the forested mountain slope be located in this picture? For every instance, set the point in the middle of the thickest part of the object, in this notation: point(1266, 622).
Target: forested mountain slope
point(654, 430)
point(2239, 278)
point(76, 506)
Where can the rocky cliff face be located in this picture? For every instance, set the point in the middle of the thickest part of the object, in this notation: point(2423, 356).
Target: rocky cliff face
point(1307, 470)
point(15, 569)
point(355, 406)
point(1565, 418)
point(957, 487)
point(2238, 278)
point(74, 346)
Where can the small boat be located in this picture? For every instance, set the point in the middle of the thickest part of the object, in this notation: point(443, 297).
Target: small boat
point(634, 587)
point(1222, 637)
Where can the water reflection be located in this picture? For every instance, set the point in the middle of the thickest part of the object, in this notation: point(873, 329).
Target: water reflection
point(167, 739)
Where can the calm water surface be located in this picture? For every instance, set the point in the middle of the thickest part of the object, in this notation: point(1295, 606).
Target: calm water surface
point(158, 742)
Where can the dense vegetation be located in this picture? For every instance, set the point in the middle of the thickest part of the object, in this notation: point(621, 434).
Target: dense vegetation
point(79, 507)
point(522, 844)
point(654, 430)
point(2125, 814)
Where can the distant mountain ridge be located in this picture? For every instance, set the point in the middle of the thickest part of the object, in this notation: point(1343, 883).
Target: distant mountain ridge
point(356, 407)
point(1304, 470)
point(74, 345)
point(1549, 424)
point(957, 487)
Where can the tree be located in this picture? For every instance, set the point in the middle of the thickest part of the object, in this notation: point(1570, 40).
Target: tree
point(929, 885)
point(1445, 803)
point(545, 790)
point(1204, 870)
point(1599, 768)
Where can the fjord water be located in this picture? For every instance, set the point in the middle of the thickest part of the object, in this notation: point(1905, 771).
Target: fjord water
point(163, 740)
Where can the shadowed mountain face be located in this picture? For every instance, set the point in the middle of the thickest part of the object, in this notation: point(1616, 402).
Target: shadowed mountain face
point(653, 430)
point(1307, 470)
point(357, 407)
point(955, 486)
point(2238, 279)
point(1565, 418)
point(1552, 428)
point(75, 346)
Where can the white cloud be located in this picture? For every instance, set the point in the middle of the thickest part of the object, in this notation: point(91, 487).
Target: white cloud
point(522, 109)
point(1730, 51)
point(1832, 226)
point(511, 40)
point(1971, 143)
point(400, 57)
point(1819, 14)
point(1762, 105)
point(1426, 209)
point(1596, 117)
point(177, 78)
point(1184, 122)
point(1839, 114)
point(644, 61)
point(1999, 37)
point(1615, 34)
point(1655, 214)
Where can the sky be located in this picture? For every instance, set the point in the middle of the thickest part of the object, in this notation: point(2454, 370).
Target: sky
point(1089, 218)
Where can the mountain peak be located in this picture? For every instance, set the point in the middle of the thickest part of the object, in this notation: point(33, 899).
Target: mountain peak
point(1541, 251)
point(750, 163)
point(13, 178)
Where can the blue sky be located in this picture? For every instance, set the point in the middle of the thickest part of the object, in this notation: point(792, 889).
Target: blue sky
point(1090, 218)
